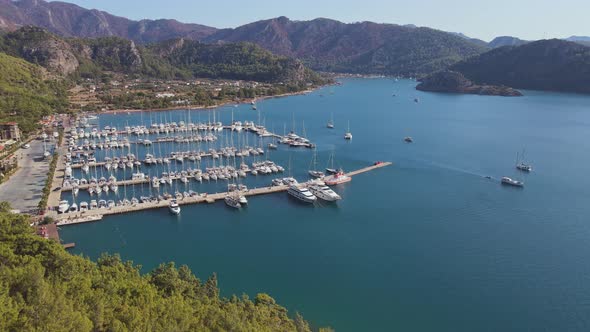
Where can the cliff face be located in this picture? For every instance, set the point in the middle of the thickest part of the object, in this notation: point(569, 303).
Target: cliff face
point(63, 57)
point(37, 46)
point(454, 82)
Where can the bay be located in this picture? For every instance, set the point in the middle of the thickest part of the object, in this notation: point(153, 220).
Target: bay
point(426, 244)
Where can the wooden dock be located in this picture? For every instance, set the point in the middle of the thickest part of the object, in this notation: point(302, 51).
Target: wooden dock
point(368, 169)
point(202, 198)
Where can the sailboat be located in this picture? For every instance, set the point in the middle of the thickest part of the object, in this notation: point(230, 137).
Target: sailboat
point(510, 181)
point(521, 165)
point(348, 134)
point(330, 124)
point(313, 170)
point(331, 168)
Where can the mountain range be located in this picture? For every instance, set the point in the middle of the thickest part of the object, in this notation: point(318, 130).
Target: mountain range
point(323, 44)
point(364, 47)
point(168, 48)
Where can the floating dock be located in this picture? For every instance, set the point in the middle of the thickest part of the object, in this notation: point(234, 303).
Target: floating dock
point(91, 215)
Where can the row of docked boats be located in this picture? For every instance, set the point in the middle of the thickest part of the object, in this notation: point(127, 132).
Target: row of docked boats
point(65, 207)
point(166, 128)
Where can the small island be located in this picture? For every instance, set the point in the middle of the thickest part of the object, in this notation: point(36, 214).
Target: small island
point(454, 82)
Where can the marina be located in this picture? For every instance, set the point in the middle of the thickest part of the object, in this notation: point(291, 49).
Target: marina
point(81, 217)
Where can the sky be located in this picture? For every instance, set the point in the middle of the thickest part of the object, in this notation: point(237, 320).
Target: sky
point(526, 19)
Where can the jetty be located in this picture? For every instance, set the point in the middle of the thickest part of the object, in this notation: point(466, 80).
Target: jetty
point(97, 214)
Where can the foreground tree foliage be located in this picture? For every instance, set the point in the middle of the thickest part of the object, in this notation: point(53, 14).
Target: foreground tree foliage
point(44, 288)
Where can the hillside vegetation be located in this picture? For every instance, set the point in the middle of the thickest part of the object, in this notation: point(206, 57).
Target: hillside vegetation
point(44, 288)
point(554, 64)
point(173, 59)
point(25, 95)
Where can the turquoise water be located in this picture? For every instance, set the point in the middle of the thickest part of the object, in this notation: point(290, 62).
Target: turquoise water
point(428, 244)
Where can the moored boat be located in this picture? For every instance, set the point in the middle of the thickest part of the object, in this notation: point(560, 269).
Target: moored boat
point(303, 194)
point(174, 207)
point(323, 192)
point(232, 201)
point(63, 206)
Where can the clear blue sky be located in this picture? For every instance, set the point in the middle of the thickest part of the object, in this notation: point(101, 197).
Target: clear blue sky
point(527, 19)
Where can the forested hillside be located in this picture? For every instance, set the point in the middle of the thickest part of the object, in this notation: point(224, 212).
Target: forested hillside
point(44, 288)
point(554, 64)
point(25, 94)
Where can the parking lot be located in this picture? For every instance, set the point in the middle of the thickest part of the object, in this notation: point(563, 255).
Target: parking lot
point(24, 188)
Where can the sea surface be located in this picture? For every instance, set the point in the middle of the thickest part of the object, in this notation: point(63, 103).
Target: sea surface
point(428, 244)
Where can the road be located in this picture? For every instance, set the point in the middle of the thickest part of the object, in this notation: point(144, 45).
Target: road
point(24, 188)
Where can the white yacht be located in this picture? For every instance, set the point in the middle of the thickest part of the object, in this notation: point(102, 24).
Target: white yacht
point(83, 206)
point(63, 207)
point(511, 182)
point(174, 207)
point(324, 192)
point(302, 194)
point(232, 201)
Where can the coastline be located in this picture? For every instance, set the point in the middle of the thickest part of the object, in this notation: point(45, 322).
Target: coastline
point(204, 108)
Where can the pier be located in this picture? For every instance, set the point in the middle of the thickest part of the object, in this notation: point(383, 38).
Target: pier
point(93, 215)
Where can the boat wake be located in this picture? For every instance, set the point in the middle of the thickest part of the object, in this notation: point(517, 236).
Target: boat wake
point(435, 165)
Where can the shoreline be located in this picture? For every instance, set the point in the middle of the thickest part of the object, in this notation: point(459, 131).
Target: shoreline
point(205, 108)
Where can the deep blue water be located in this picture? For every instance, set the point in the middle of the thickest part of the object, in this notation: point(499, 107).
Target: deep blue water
point(428, 244)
